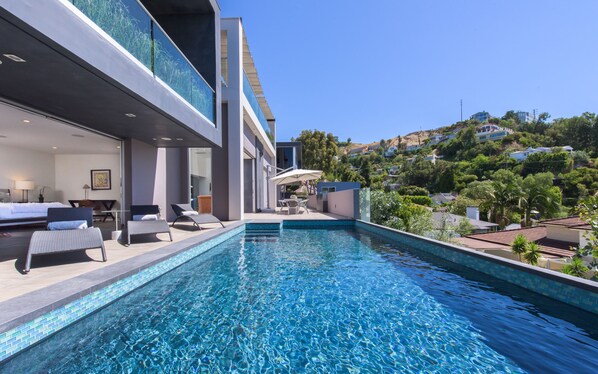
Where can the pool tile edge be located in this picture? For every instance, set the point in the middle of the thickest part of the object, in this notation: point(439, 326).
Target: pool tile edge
point(21, 330)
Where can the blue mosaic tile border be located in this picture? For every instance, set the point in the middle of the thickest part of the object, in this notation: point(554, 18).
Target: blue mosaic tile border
point(317, 224)
point(258, 226)
point(548, 286)
point(25, 335)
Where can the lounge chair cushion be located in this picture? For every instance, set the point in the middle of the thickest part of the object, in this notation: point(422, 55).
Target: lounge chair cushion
point(189, 213)
point(67, 225)
point(145, 217)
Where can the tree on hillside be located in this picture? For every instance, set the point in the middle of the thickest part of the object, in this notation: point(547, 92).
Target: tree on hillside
point(539, 194)
point(319, 150)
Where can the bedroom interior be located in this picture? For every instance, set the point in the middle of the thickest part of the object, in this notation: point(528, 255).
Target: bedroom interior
point(41, 168)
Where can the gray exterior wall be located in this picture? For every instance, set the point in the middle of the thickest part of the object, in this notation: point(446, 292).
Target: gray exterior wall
point(220, 172)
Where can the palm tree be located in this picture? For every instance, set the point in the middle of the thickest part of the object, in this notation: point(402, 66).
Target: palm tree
point(575, 268)
point(539, 194)
point(519, 245)
point(532, 254)
point(504, 195)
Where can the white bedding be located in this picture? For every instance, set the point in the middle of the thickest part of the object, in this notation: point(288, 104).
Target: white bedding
point(26, 210)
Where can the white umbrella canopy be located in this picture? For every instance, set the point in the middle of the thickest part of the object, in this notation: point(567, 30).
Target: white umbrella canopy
point(297, 175)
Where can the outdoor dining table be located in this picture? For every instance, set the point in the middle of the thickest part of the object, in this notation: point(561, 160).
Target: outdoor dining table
point(301, 204)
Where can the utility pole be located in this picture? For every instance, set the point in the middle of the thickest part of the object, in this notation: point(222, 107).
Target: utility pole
point(461, 110)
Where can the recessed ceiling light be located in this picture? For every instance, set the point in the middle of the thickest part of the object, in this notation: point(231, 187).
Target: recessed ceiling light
point(54, 147)
point(15, 58)
point(78, 136)
point(118, 147)
point(179, 138)
point(26, 121)
point(154, 139)
point(166, 138)
point(130, 115)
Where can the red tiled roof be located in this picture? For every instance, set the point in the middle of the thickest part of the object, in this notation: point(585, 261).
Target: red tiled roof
point(567, 222)
point(534, 234)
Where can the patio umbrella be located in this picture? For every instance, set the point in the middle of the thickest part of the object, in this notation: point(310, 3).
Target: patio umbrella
point(297, 175)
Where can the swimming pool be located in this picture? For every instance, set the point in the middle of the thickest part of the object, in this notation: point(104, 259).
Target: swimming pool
point(322, 300)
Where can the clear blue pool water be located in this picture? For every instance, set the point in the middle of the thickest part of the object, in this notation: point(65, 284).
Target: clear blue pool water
point(322, 301)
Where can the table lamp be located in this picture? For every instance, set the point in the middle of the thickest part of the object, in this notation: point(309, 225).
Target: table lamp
point(86, 189)
point(24, 186)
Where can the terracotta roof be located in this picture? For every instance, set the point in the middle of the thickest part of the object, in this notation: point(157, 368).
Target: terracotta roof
point(535, 234)
point(567, 222)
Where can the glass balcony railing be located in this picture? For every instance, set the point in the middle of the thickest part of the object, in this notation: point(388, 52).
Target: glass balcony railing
point(131, 26)
point(255, 105)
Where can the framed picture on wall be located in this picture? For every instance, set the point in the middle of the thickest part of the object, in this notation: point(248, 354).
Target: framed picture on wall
point(101, 179)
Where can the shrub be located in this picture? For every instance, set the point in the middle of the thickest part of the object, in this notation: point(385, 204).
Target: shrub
point(575, 268)
point(532, 253)
point(413, 191)
point(419, 200)
point(519, 245)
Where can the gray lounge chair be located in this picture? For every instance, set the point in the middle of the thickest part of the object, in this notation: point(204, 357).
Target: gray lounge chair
point(140, 227)
point(197, 218)
point(47, 242)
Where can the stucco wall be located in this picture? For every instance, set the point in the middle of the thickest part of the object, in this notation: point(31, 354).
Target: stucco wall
point(562, 234)
point(344, 203)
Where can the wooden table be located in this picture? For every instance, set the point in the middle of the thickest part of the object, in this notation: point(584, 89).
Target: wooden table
point(108, 205)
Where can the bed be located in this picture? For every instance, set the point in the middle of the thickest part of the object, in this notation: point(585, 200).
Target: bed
point(12, 214)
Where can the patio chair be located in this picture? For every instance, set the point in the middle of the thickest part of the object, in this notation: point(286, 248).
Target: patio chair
point(186, 212)
point(292, 206)
point(283, 204)
point(303, 204)
point(69, 229)
point(146, 220)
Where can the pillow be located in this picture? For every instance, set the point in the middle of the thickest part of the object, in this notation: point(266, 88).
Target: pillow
point(145, 217)
point(190, 213)
point(67, 225)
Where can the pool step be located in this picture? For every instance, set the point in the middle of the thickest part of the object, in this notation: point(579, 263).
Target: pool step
point(262, 231)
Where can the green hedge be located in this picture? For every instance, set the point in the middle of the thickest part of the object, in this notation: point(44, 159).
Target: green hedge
point(419, 200)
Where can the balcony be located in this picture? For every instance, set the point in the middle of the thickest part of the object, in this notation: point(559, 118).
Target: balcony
point(255, 105)
point(133, 28)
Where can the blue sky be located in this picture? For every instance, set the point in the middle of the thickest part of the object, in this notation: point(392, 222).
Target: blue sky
point(378, 69)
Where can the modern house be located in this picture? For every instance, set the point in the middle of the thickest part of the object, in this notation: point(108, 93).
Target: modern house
point(127, 89)
point(523, 117)
point(481, 116)
point(448, 221)
point(391, 151)
point(247, 160)
point(523, 155)
point(442, 198)
point(491, 132)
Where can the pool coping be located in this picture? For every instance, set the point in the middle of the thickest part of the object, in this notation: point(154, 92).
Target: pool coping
point(25, 308)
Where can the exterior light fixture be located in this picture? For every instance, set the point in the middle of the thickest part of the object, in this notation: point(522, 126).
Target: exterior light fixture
point(54, 147)
point(26, 121)
point(166, 138)
point(15, 58)
point(130, 115)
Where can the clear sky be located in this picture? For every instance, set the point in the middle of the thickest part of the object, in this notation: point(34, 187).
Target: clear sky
point(377, 69)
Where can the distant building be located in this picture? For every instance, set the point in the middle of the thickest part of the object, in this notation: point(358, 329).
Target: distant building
point(391, 151)
point(436, 138)
point(481, 116)
point(414, 147)
point(440, 219)
point(523, 117)
point(491, 132)
point(522, 155)
point(432, 158)
point(442, 198)
point(393, 169)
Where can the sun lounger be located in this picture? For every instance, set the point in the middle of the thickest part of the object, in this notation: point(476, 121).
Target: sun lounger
point(146, 220)
point(66, 240)
point(186, 212)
